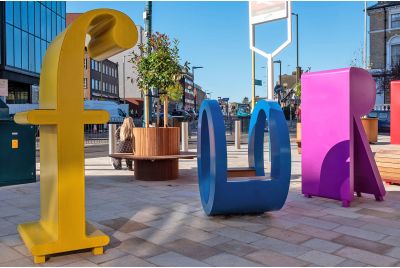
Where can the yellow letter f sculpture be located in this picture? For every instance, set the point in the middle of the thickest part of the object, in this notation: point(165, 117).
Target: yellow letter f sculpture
point(62, 226)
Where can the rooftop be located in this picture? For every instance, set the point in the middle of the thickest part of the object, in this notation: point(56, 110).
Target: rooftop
point(383, 4)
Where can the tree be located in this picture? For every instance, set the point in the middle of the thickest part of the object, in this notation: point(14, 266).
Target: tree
point(159, 69)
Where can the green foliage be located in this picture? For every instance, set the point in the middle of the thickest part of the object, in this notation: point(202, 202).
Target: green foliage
point(297, 89)
point(157, 65)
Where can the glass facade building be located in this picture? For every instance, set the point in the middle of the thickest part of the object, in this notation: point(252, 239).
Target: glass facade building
point(27, 29)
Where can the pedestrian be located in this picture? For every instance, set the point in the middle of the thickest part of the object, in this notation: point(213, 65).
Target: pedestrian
point(125, 142)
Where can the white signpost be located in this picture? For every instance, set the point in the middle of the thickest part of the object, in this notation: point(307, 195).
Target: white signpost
point(3, 87)
point(266, 11)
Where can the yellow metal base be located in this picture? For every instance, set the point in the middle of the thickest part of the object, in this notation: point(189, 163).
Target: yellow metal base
point(41, 244)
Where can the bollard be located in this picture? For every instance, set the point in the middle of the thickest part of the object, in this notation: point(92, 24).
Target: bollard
point(185, 136)
point(237, 134)
point(112, 128)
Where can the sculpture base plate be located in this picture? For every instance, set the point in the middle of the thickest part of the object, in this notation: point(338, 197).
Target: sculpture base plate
point(42, 244)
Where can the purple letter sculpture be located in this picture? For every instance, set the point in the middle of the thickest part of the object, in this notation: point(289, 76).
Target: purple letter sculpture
point(336, 157)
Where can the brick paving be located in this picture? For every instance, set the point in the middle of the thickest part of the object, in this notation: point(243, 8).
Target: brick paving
point(162, 224)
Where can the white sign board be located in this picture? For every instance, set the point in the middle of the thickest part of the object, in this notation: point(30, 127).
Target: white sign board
point(3, 87)
point(264, 11)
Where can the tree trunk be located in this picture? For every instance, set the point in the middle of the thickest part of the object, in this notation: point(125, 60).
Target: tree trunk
point(146, 111)
point(166, 111)
point(158, 112)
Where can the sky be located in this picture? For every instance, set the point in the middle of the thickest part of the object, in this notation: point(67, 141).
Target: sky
point(215, 35)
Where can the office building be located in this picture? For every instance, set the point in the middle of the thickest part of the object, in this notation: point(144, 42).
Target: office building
point(27, 28)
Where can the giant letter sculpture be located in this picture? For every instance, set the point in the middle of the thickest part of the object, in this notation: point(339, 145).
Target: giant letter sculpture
point(395, 112)
point(336, 157)
point(220, 196)
point(62, 226)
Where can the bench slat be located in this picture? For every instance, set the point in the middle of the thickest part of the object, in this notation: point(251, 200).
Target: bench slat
point(182, 155)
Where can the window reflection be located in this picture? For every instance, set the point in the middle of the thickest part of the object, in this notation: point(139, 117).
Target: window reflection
point(30, 27)
point(10, 45)
point(10, 12)
point(17, 47)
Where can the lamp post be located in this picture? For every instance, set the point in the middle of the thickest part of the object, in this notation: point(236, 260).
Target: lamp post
point(194, 93)
point(147, 16)
point(297, 47)
point(123, 77)
point(280, 71)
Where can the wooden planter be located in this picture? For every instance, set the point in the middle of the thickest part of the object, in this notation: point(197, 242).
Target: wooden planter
point(298, 137)
point(154, 143)
point(371, 129)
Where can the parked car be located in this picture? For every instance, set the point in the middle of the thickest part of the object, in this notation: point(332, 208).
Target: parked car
point(383, 119)
point(181, 115)
point(193, 114)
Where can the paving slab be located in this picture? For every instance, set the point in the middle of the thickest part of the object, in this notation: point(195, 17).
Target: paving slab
point(163, 224)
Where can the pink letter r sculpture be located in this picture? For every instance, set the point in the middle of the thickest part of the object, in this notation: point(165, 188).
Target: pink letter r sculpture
point(336, 157)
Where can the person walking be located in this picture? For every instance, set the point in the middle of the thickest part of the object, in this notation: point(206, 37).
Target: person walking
point(125, 142)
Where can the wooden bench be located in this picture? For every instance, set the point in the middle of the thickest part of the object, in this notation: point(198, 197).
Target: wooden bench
point(161, 167)
point(241, 172)
point(388, 162)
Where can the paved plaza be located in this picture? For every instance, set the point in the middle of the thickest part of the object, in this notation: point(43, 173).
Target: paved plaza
point(163, 224)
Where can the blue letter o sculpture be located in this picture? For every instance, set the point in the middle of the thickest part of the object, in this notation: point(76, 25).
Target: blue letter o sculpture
point(220, 196)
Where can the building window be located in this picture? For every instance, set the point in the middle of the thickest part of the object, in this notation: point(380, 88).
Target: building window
point(31, 17)
point(85, 83)
point(38, 56)
point(17, 47)
point(9, 45)
point(25, 51)
point(395, 20)
point(395, 55)
point(31, 53)
point(37, 19)
point(48, 26)
point(42, 22)
point(10, 12)
point(24, 16)
point(17, 14)
point(393, 52)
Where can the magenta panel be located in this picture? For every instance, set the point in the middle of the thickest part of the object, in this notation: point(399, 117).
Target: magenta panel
point(336, 157)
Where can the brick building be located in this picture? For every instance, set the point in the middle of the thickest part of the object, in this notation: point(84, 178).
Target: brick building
point(384, 34)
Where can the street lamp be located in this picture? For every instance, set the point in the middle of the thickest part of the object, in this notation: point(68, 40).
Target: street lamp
point(123, 77)
point(194, 93)
point(297, 47)
point(280, 71)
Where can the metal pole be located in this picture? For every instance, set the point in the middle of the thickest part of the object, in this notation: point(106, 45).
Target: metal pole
point(280, 73)
point(185, 134)
point(365, 35)
point(270, 76)
point(111, 138)
point(123, 78)
point(147, 28)
point(297, 47)
point(253, 75)
point(194, 95)
point(237, 134)
point(297, 39)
